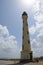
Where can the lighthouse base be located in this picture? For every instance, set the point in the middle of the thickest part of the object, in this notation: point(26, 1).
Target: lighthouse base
point(26, 56)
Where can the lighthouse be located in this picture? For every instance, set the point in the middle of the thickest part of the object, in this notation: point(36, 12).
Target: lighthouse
point(26, 52)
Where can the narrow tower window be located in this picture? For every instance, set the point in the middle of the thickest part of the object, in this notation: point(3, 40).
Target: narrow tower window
point(23, 28)
point(26, 24)
point(28, 41)
point(23, 37)
point(23, 47)
point(23, 21)
point(27, 32)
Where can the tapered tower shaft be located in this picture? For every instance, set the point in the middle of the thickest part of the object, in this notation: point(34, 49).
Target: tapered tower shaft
point(26, 48)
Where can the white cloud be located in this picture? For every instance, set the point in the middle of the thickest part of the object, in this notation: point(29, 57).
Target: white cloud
point(4, 31)
point(32, 30)
point(34, 44)
point(37, 48)
point(8, 44)
point(40, 37)
point(37, 29)
point(36, 6)
point(39, 17)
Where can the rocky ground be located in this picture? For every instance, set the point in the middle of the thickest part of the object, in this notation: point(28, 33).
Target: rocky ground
point(2, 62)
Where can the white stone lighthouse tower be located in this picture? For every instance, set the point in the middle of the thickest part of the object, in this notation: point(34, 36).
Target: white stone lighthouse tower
point(26, 52)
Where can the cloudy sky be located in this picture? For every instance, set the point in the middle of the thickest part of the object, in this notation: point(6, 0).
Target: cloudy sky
point(11, 27)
